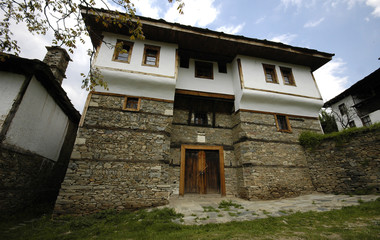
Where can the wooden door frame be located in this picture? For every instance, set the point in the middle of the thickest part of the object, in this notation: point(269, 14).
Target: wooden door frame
point(201, 147)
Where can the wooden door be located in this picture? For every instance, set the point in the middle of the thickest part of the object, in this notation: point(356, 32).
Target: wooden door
point(202, 172)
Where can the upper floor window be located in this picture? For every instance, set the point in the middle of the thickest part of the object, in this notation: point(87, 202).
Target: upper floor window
point(342, 109)
point(282, 123)
point(287, 76)
point(123, 51)
point(366, 121)
point(204, 70)
point(132, 104)
point(151, 56)
point(270, 73)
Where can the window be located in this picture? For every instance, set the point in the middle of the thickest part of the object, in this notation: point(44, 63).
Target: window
point(123, 51)
point(270, 73)
point(132, 104)
point(282, 123)
point(200, 119)
point(366, 121)
point(204, 70)
point(351, 124)
point(222, 67)
point(342, 109)
point(287, 76)
point(151, 56)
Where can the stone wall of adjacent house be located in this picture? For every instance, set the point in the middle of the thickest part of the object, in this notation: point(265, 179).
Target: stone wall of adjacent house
point(347, 167)
point(120, 158)
point(273, 164)
point(28, 179)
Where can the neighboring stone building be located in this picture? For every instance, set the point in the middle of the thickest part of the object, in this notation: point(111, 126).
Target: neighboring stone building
point(359, 105)
point(192, 111)
point(38, 126)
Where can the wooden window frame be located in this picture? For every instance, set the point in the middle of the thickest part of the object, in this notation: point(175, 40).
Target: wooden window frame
point(201, 147)
point(132, 109)
point(274, 76)
point(292, 82)
point(289, 129)
point(154, 48)
point(200, 63)
point(116, 52)
point(202, 114)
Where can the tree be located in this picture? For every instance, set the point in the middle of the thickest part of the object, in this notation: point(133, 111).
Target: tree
point(64, 18)
point(327, 122)
point(345, 119)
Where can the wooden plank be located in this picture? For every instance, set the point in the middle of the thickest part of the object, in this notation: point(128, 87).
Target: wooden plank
point(182, 172)
point(123, 95)
point(276, 92)
point(273, 113)
point(85, 109)
point(205, 94)
point(222, 177)
point(240, 73)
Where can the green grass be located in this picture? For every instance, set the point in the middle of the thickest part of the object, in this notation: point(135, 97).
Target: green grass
point(356, 222)
point(226, 205)
point(311, 140)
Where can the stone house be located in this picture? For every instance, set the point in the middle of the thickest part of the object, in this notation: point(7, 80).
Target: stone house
point(359, 105)
point(38, 126)
point(192, 111)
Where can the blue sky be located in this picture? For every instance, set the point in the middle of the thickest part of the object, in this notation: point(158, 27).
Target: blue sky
point(348, 28)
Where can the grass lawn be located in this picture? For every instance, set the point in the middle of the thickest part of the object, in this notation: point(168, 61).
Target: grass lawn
point(356, 222)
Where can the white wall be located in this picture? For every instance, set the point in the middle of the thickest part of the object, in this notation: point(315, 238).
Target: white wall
point(39, 125)
point(254, 77)
point(221, 83)
point(133, 78)
point(375, 116)
point(10, 86)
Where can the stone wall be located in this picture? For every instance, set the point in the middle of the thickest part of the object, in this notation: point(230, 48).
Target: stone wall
point(348, 167)
point(27, 179)
point(273, 164)
point(120, 158)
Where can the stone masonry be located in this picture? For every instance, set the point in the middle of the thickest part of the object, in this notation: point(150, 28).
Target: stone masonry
point(350, 167)
point(120, 159)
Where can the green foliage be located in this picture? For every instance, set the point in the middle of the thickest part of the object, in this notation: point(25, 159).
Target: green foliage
point(356, 222)
point(210, 209)
point(328, 122)
point(226, 205)
point(311, 139)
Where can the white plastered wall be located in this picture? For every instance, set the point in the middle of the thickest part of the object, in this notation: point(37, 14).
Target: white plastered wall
point(10, 86)
point(134, 78)
point(375, 116)
point(221, 82)
point(39, 125)
point(303, 99)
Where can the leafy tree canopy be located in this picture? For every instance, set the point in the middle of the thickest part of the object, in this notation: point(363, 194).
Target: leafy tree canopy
point(64, 18)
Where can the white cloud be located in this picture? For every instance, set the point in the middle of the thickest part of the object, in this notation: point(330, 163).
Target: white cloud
point(287, 3)
point(260, 20)
point(147, 8)
point(376, 5)
point(196, 13)
point(330, 80)
point(312, 24)
point(286, 38)
point(231, 29)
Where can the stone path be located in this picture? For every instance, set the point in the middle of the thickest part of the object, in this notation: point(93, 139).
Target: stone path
point(205, 209)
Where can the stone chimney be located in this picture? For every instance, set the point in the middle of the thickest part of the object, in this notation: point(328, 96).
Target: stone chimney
point(57, 58)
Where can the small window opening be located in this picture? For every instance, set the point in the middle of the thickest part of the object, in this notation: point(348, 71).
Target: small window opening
point(283, 123)
point(204, 70)
point(342, 109)
point(151, 56)
point(270, 73)
point(366, 121)
point(123, 51)
point(132, 103)
point(287, 76)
